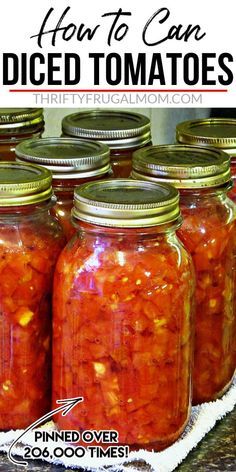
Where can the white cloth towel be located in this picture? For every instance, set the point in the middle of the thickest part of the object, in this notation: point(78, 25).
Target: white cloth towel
point(202, 420)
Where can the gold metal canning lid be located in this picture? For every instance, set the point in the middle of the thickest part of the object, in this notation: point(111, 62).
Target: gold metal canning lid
point(217, 132)
point(117, 129)
point(24, 184)
point(66, 158)
point(16, 119)
point(126, 203)
point(182, 166)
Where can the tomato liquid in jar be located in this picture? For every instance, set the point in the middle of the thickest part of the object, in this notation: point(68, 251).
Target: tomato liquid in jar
point(124, 132)
point(30, 242)
point(122, 315)
point(217, 132)
point(72, 162)
point(17, 124)
point(202, 176)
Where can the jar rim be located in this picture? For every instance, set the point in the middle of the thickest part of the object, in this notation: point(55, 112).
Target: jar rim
point(13, 120)
point(217, 132)
point(117, 129)
point(126, 203)
point(24, 184)
point(66, 158)
point(183, 166)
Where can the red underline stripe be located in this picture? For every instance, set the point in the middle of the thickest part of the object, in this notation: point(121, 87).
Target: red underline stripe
point(117, 90)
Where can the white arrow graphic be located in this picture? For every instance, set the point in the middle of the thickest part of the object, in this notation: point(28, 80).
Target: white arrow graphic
point(65, 408)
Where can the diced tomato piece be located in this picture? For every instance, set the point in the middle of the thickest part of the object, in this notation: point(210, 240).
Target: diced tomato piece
point(25, 322)
point(122, 322)
point(210, 237)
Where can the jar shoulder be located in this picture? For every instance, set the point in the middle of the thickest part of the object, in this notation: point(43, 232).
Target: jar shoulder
point(208, 213)
point(21, 232)
point(122, 256)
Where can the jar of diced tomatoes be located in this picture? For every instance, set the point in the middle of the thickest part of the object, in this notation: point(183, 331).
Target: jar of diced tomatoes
point(124, 132)
point(17, 124)
point(72, 162)
point(202, 176)
point(122, 315)
point(217, 132)
point(30, 242)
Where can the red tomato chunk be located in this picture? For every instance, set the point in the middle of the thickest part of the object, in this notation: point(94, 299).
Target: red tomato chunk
point(27, 259)
point(122, 337)
point(211, 242)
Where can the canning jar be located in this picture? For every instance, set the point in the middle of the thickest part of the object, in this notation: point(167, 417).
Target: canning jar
point(122, 131)
point(72, 162)
point(217, 132)
point(202, 175)
point(122, 315)
point(17, 124)
point(30, 242)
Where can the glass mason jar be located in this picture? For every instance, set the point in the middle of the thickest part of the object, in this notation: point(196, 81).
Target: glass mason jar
point(202, 175)
point(217, 132)
point(17, 124)
point(124, 132)
point(72, 162)
point(122, 315)
point(30, 242)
